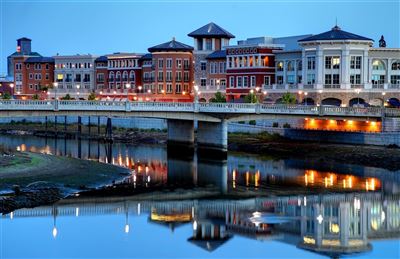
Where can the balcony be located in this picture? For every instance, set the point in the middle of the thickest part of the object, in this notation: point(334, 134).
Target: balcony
point(356, 86)
point(331, 86)
point(394, 86)
point(378, 86)
point(267, 86)
point(280, 86)
point(310, 86)
point(293, 86)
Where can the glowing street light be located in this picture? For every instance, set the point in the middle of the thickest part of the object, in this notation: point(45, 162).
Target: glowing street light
point(55, 86)
point(127, 86)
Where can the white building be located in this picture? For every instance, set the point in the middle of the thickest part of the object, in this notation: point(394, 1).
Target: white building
point(75, 75)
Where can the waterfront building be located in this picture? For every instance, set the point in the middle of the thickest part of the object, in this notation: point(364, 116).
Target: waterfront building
point(216, 75)
point(173, 73)
point(148, 70)
point(208, 39)
point(124, 74)
point(6, 85)
point(75, 75)
point(338, 68)
point(101, 72)
point(39, 76)
point(250, 67)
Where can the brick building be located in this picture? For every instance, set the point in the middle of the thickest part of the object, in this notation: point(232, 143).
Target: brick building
point(250, 68)
point(101, 73)
point(39, 76)
point(173, 73)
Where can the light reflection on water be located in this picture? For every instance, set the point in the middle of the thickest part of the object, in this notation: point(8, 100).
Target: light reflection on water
point(350, 209)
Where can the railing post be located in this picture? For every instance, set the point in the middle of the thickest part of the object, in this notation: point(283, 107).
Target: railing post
point(127, 106)
point(196, 107)
point(258, 108)
point(321, 110)
point(55, 105)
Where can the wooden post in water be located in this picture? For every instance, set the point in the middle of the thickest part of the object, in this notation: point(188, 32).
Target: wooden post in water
point(89, 125)
point(98, 125)
point(79, 126)
point(45, 119)
point(65, 124)
point(55, 125)
point(109, 129)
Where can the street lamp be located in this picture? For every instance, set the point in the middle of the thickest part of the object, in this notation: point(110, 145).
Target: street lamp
point(358, 96)
point(55, 84)
point(77, 93)
point(127, 86)
point(217, 84)
point(12, 90)
point(305, 98)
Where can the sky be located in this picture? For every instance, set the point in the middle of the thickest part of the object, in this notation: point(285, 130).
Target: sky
point(106, 26)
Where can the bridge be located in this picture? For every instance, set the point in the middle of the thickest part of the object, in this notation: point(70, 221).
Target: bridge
point(212, 117)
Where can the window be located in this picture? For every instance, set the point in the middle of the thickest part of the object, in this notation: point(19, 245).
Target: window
point(30, 86)
point(100, 77)
point(160, 76)
point(132, 76)
point(310, 79)
point(290, 79)
point(252, 81)
point(160, 63)
point(245, 81)
point(300, 65)
point(178, 63)
point(203, 82)
point(169, 63)
point(332, 62)
point(396, 65)
point(395, 79)
point(378, 79)
point(279, 80)
point(86, 78)
point(178, 88)
point(290, 66)
point(378, 65)
point(18, 66)
point(222, 83)
point(231, 81)
point(186, 64)
point(47, 66)
point(208, 44)
point(279, 66)
point(355, 79)
point(299, 79)
point(222, 67)
point(311, 63)
point(28, 66)
point(239, 82)
point(111, 76)
point(118, 76)
point(30, 75)
point(267, 80)
point(47, 76)
point(199, 44)
point(186, 76)
point(178, 76)
point(355, 62)
point(185, 87)
point(160, 88)
point(328, 79)
point(335, 79)
point(169, 88)
point(125, 76)
point(203, 66)
point(169, 76)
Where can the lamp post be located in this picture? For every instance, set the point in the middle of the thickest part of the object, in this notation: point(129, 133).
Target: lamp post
point(139, 89)
point(12, 90)
point(320, 96)
point(358, 96)
point(55, 84)
point(77, 93)
point(305, 98)
point(127, 86)
point(383, 99)
point(218, 84)
point(300, 93)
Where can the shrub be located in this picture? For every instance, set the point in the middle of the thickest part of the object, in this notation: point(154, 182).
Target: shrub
point(241, 122)
point(252, 122)
point(286, 125)
point(275, 124)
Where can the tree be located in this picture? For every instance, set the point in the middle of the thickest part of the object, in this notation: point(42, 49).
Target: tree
point(218, 98)
point(251, 98)
point(288, 98)
point(6, 96)
point(92, 96)
point(35, 97)
point(66, 97)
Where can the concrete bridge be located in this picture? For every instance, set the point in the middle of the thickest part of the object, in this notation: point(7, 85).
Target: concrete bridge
point(212, 117)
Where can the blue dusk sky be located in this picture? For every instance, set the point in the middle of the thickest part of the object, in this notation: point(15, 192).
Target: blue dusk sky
point(105, 26)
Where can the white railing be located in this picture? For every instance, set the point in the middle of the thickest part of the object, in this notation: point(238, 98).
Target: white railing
point(215, 108)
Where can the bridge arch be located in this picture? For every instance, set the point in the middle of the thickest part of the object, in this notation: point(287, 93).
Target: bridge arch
point(331, 101)
point(202, 100)
point(356, 101)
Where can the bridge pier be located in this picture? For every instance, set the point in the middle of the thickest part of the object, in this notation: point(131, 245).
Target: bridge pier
point(181, 132)
point(212, 139)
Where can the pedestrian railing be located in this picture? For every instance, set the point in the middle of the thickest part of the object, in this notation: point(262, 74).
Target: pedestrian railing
point(215, 108)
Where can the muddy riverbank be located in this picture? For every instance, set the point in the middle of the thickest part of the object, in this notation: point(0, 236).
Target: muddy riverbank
point(32, 179)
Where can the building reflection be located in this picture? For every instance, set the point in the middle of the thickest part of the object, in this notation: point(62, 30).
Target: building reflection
point(329, 224)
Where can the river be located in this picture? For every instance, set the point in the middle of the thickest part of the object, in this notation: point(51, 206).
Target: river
point(244, 207)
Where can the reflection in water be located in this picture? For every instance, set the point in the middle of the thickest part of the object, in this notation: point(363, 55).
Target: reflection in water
point(330, 224)
point(340, 210)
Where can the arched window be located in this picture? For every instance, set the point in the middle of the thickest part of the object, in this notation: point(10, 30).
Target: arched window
point(290, 66)
point(125, 76)
point(396, 65)
point(132, 76)
point(300, 65)
point(118, 76)
point(279, 66)
point(378, 65)
point(111, 76)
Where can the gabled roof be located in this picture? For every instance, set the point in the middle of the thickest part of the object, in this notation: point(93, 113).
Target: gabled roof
point(101, 59)
point(172, 45)
point(219, 54)
point(335, 34)
point(39, 60)
point(211, 30)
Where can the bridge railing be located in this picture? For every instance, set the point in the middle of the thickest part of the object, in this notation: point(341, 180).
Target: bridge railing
point(289, 109)
point(227, 107)
point(351, 111)
point(26, 105)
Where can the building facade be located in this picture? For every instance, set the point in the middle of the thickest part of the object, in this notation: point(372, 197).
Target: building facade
point(75, 75)
point(173, 73)
point(208, 39)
